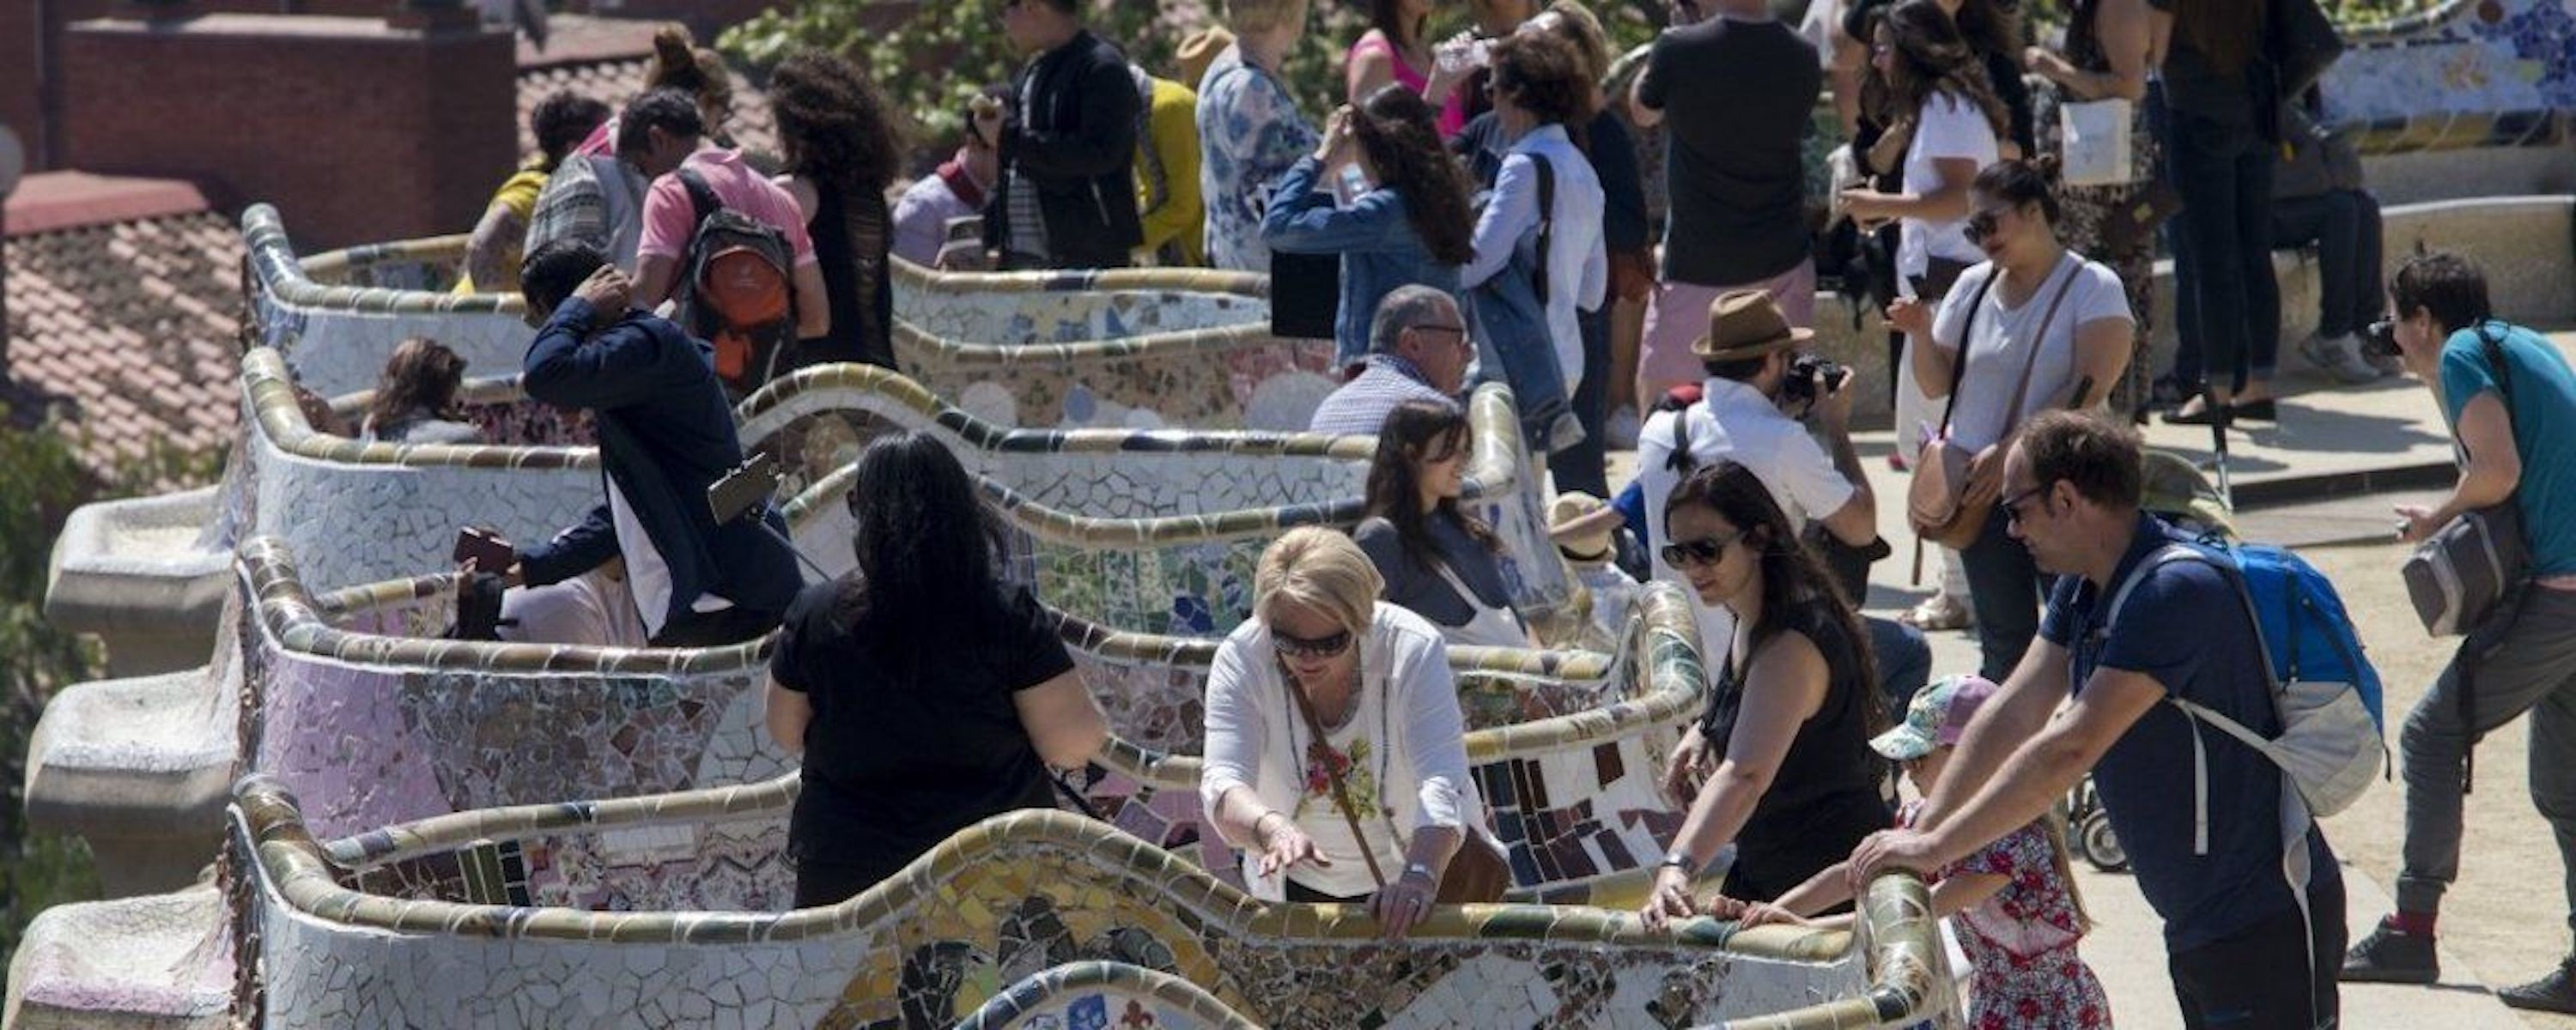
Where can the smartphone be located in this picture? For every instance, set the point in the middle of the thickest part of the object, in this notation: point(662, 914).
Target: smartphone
point(743, 489)
point(486, 548)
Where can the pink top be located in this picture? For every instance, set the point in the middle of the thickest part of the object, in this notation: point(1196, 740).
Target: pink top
point(1453, 116)
point(669, 218)
point(600, 141)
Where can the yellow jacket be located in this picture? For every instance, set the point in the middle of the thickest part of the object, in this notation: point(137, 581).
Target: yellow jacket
point(1167, 174)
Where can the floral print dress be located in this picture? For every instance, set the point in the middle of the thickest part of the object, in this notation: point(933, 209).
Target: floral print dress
point(2025, 973)
point(1250, 131)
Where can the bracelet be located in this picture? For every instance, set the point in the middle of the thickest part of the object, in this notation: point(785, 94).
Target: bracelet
point(1418, 869)
point(1677, 860)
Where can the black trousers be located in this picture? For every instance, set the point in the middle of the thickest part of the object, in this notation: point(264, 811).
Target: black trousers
point(715, 629)
point(823, 883)
point(2260, 977)
point(1305, 895)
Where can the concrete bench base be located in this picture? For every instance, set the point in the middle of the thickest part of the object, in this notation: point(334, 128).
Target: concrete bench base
point(139, 768)
point(134, 573)
point(159, 962)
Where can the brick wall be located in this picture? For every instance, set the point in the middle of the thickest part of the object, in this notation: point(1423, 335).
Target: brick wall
point(20, 106)
point(357, 130)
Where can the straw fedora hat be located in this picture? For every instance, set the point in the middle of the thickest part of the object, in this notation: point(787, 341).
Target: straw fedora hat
point(1746, 324)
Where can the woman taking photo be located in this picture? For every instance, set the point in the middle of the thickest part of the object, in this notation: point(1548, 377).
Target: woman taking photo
point(842, 153)
point(1531, 285)
point(1436, 560)
point(1791, 781)
point(1250, 131)
point(1411, 227)
point(1336, 754)
point(924, 692)
point(2043, 328)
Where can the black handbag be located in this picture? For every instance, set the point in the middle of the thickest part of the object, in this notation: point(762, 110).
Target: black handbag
point(2301, 43)
point(1305, 295)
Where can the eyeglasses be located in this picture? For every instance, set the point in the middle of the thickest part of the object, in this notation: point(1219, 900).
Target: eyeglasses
point(1683, 553)
point(2009, 508)
point(1291, 646)
point(1982, 225)
point(1458, 331)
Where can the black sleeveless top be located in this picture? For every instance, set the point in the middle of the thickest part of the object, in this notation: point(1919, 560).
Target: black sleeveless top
point(1827, 787)
point(851, 238)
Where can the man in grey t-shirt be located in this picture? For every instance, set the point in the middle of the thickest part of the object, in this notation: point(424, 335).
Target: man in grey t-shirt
point(1736, 94)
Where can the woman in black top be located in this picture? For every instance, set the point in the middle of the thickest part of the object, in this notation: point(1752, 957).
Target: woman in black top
point(1795, 785)
point(842, 152)
point(2221, 130)
point(1436, 559)
point(925, 693)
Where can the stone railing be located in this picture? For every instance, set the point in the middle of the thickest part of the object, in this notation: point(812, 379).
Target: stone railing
point(373, 929)
point(1068, 306)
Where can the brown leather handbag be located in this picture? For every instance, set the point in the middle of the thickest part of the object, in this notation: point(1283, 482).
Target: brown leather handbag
point(1475, 876)
point(1943, 504)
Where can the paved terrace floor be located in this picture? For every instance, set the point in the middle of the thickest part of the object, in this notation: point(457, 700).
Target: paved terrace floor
point(2322, 479)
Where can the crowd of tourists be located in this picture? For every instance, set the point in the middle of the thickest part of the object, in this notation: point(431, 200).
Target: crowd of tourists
point(1476, 208)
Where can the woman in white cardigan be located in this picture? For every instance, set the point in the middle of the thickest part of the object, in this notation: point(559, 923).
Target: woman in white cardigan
point(1376, 678)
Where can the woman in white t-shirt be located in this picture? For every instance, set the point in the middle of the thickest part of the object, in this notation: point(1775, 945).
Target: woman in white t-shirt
point(2043, 328)
point(1926, 83)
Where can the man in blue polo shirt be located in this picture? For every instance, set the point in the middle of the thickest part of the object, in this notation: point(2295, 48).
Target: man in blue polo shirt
point(2211, 856)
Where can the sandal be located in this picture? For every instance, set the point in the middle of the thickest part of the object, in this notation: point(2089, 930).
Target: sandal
point(1938, 612)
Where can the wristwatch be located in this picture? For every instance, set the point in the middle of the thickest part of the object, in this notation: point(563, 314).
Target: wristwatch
point(1417, 869)
point(1677, 859)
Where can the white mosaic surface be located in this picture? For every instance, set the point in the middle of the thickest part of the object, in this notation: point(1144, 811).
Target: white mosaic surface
point(1064, 316)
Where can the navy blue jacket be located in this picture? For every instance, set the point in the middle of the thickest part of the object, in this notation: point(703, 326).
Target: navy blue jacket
point(665, 435)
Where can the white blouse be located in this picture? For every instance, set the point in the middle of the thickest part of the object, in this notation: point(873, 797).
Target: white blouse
point(1417, 760)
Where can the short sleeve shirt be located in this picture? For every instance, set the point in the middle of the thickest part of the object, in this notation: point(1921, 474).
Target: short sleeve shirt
point(1948, 129)
point(2004, 337)
point(911, 739)
point(2184, 627)
point(1739, 98)
point(670, 220)
point(2544, 412)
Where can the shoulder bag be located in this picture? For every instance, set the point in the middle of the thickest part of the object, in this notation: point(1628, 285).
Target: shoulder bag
point(2473, 565)
point(1475, 876)
point(1941, 504)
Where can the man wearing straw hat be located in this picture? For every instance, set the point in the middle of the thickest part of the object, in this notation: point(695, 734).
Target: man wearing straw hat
point(1749, 412)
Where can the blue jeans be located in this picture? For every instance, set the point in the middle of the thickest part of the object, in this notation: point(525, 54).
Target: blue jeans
point(2344, 224)
point(2006, 588)
point(2228, 306)
point(1904, 662)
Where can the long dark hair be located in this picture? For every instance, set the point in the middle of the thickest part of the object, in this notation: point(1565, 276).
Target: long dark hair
point(926, 542)
point(1416, 430)
point(1931, 56)
point(1387, 17)
point(835, 124)
point(422, 375)
point(1991, 27)
point(1400, 136)
point(1797, 592)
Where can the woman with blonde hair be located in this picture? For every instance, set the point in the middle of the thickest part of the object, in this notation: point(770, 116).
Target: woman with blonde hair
point(1336, 754)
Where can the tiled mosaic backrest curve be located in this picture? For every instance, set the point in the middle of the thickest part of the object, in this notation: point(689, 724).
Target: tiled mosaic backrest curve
point(362, 512)
point(1062, 307)
point(1185, 574)
point(336, 337)
point(999, 901)
point(1230, 377)
point(504, 414)
point(2467, 73)
point(1104, 994)
point(429, 264)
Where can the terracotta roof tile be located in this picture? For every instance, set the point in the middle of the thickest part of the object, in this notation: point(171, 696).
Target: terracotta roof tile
point(127, 329)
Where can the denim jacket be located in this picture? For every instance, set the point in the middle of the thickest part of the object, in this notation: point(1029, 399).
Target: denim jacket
point(1578, 264)
point(1379, 249)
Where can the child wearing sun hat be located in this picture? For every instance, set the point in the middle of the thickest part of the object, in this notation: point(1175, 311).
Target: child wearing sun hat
point(2013, 905)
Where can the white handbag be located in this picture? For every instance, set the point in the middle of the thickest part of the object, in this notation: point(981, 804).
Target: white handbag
point(2096, 134)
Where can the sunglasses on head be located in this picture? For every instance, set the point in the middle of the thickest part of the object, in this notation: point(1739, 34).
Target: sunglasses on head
point(1704, 551)
point(1304, 647)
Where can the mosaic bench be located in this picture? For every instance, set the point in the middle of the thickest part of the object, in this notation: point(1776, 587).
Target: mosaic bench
point(387, 925)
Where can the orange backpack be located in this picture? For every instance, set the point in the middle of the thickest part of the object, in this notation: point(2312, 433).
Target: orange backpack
point(736, 292)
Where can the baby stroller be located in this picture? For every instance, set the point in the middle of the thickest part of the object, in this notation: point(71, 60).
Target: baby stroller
point(2088, 830)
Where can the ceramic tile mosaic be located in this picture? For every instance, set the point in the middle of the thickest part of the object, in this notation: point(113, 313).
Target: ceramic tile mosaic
point(1063, 307)
point(2467, 73)
point(998, 905)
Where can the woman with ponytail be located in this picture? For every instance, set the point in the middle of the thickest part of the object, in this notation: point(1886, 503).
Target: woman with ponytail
point(2040, 327)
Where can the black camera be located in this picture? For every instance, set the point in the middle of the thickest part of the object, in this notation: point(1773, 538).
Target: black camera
point(2379, 339)
point(1804, 372)
point(743, 489)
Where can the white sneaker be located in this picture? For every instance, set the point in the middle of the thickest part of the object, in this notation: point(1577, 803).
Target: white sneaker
point(2339, 356)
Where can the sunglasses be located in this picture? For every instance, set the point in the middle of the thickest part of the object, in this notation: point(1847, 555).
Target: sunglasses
point(1981, 225)
point(1682, 553)
point(1304, 647)
point(2009, 508)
